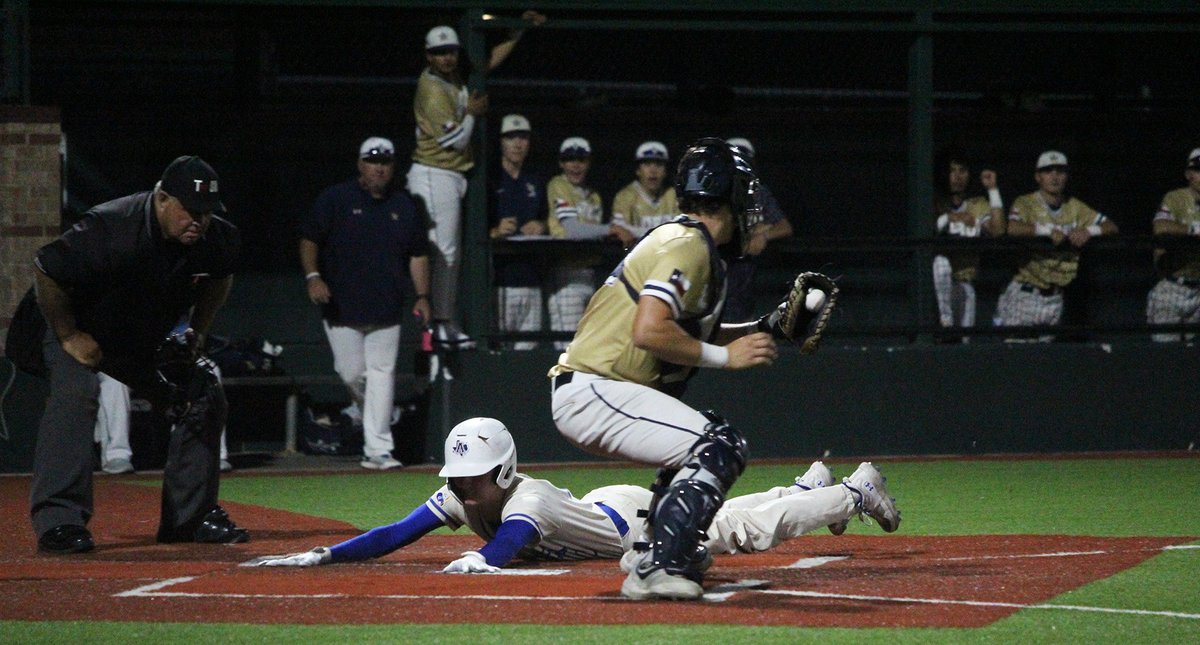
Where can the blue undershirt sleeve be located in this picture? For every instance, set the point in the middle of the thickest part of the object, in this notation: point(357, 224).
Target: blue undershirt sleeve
point(385, 539)
point(511, 537)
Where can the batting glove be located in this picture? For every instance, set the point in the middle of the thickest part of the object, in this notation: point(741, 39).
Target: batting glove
point(319, 555)
point(470, 562)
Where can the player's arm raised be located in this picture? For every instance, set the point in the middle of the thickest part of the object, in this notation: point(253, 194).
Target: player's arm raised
point(655, 331)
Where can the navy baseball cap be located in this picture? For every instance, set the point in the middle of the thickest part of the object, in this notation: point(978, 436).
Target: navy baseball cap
point(194, 183)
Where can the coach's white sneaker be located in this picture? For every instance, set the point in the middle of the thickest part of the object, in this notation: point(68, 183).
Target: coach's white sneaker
point(874, 500)
point(447, 335)
point(380, 462)
point(818, 475)
point(642, 584)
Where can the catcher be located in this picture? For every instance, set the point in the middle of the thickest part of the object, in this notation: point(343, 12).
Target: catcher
point(531, 518)
point(656, 319)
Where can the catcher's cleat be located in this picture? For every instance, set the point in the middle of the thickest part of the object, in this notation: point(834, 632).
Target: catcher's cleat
point(818, 475)
point(874, 500)
point(648, 581)
point(701, 560)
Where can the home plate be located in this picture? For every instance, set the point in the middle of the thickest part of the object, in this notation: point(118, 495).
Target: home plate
point(725, 590)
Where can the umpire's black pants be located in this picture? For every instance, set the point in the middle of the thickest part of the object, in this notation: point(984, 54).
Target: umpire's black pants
point(63, 461)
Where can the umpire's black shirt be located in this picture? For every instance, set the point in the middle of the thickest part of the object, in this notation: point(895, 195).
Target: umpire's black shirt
point(128, 284)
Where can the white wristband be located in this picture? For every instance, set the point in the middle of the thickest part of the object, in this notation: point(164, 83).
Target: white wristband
point(713, 355)
point(1095, 229)
point(1043, 229)
point(312, 275)
point(943, 221)
point(994, 198)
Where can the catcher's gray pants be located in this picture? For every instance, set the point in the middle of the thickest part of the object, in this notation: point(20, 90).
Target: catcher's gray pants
point(63, 462)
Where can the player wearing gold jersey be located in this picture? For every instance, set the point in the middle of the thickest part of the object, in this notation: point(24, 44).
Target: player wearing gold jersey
point(1035, 295)
point(1176, 297)
point(445, 114)
point(647, 201)
point(653, 322)
point(962, 216)
point(576, 213)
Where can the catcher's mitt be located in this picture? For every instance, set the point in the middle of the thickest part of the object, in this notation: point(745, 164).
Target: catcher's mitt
point(794, 320)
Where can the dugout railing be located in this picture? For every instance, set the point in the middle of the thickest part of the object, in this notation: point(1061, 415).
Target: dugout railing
point(887, 292)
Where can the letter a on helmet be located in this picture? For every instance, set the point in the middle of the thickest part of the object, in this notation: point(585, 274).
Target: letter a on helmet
point(478, 445)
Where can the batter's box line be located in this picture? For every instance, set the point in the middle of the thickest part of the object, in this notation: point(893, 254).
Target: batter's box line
point(977, 603)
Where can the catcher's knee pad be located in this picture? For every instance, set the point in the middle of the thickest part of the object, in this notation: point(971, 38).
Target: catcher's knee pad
point(719, 457)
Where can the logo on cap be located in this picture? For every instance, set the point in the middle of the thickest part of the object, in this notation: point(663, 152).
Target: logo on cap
point(1051, 158)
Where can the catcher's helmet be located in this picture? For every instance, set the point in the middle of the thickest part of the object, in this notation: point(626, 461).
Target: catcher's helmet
point(478, 445)
point(713, 169)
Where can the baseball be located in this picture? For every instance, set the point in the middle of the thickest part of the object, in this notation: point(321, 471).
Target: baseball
point(814, 300)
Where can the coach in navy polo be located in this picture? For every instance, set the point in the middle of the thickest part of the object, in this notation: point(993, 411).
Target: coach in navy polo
point(360, 247)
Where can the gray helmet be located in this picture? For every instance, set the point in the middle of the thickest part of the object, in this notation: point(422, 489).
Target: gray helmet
point(711, 169)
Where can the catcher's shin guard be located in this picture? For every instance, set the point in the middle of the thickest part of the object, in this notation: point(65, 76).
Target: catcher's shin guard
point(690, 503)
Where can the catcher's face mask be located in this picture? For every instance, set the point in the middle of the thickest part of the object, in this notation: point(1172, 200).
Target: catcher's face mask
point(744, 199)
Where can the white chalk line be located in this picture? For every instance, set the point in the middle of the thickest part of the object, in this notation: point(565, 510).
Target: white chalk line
point(977, 603)
point(719, 593)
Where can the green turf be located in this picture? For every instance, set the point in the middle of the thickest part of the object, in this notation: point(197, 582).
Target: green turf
point(1101, 497)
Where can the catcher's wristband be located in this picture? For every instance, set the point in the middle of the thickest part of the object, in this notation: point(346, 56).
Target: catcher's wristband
point(713, 355)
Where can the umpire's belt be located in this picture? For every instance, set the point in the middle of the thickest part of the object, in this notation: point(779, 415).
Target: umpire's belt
point(1049, 291)
point(621, 524)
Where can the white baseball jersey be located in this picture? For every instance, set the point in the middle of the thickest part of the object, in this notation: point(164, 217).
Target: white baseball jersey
point(580, 529)
point(568, 528)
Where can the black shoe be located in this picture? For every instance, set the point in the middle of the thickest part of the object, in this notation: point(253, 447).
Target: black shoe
point(217, 528)
point(66, 538)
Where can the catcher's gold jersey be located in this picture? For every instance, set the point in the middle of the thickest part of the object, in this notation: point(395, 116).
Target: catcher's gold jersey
point(1182, 206)
point(1055, 268)
point(965, 265)
point(567, 200)
point(568, 528)
point(440, 107)
point(676, 263)
point(640, 211)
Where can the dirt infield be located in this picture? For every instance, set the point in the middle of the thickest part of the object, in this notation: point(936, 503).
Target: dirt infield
point(818, 580)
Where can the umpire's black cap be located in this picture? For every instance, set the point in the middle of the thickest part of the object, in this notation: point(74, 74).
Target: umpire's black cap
point(194, 183)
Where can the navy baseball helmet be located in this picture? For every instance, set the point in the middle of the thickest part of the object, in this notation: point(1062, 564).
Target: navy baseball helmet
point(713, 170)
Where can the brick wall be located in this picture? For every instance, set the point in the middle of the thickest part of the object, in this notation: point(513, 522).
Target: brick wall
point(30, 197)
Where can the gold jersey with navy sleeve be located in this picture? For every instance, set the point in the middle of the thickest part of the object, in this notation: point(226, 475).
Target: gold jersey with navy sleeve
point(1183, 207)
point(566, 200)
point(965, 266)
point(676, 263)
point(1055, 268)
point(639, 210)
point(440, 107)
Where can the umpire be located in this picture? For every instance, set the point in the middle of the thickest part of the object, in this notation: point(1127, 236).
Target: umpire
point(111, 289)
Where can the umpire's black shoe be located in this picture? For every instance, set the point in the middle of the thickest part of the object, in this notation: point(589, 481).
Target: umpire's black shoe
point(66, 538)
point(217, 528)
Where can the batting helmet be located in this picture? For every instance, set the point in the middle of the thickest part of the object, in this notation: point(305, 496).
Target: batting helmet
point(478, 445)
point(711, 169)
